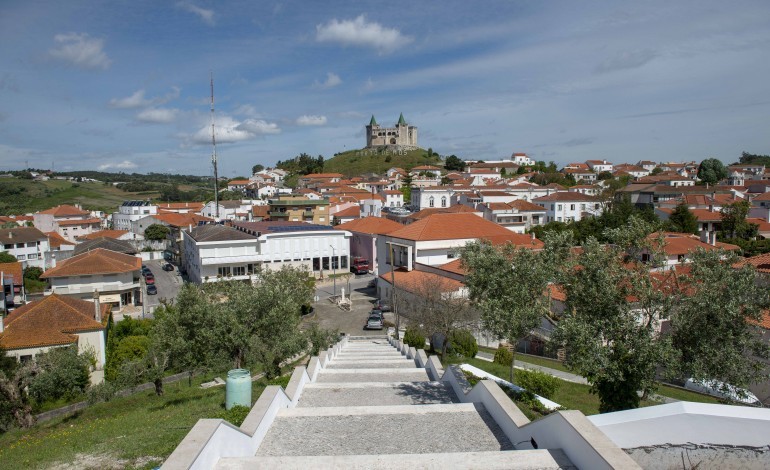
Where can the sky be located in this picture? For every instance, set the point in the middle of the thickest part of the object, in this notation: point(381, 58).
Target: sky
point(125, 85)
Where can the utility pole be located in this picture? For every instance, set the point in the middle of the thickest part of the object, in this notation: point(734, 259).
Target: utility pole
point(214, 154)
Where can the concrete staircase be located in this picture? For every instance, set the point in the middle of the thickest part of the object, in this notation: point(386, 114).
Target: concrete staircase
point(373, 402)
point(370, 401)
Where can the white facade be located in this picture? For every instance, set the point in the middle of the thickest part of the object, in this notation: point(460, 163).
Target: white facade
point(427, 198)
point(599, 166)
point(569, 209)
point(131, 211)
point(28, 252)
point(319, 252)
point(522, 159)
point(118, 288)
point(394, 198)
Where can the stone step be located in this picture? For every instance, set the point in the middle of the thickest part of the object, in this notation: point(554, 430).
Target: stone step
point(377, 358)
point(377, 430)
point(490, 460)
point(376, 394)
point(372, 365)
point(369, 348)
point(372, 375)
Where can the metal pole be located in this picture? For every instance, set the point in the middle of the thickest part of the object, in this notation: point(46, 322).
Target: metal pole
point(334, 269)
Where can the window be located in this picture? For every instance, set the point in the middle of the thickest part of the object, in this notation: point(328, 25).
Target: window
point(8, 246)
point(344, 260)
point(21, 257)
point(239, 271)
point(31, 244)
point(443, 201)
point(551, 206)
point(20, 245)
point(582, 207)
point(558, 208)
point(431, 202)
point(335, 262)
point(325, 263)
point(316, 264)
point(572, 207)
point(32, 256)
point(596, 207)
point(223, 271)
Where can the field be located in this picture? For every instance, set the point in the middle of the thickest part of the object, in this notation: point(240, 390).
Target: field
point(139, 431)
point(19, 196)
point(359, 162)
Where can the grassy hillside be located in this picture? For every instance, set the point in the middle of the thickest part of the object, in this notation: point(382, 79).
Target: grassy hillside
point(357, 162)
point(20, 196)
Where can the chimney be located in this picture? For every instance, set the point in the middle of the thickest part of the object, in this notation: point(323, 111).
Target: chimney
point(97, 307)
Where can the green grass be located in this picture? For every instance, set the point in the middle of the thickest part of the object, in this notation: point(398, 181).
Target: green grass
point(358, 162)
point(139, 431)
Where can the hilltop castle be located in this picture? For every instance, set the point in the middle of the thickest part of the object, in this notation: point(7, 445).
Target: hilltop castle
point(403, 136)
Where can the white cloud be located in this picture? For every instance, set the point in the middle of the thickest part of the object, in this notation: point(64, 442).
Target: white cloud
point(206, 15)
point(229, 130)
point(332, 80)
point(310, 120)
point(137, 100)
point(359, 32)
point(157, 115)
point(246, 110)
point(124, 165)
point(80, 49)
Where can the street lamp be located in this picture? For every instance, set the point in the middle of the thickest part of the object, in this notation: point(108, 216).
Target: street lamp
point(334, 269)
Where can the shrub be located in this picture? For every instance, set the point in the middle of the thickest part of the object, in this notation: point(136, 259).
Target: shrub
point(503, 356)
point(63, 374)
point(236, 414)
point(414, 338)
point(463, 343)
point(538, 382)
point(104, 391)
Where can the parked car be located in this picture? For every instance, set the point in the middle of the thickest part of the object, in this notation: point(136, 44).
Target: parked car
point(152, 290)
point(374, 322)
point(149, 279)
point(168, 267)
point(383, 306)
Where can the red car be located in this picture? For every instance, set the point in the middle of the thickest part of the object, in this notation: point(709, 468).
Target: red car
point(149, 279)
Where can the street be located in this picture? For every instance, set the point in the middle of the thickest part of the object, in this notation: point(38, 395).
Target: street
point(168, 284)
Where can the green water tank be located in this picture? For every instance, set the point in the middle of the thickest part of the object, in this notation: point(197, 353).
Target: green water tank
point(238, 388)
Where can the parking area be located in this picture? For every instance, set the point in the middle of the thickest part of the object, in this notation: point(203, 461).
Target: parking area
point(168, 284)
point(329, 316)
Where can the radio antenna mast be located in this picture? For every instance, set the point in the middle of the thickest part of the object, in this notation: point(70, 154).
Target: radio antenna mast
point(214, 154)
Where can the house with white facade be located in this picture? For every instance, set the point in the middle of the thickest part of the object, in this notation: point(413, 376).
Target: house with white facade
point(113, 277)
point(131, 211)
point(228, 210)
point(438, 238)
point(567, 206)
point(426, 198)
point(522, 159)
point(393, 198)
point(68, 221)
point(55, 321)
point(215, 252)
point(517, 216)
point(599, 166)
point(29, 245)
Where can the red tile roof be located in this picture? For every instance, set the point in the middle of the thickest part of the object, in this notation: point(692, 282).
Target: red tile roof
point(56, 241)
point(462, 226)
point(90, 221)
point(455, 266)
point(181, 220)
point(116, 234)
point(566, 196)
point(13, 269)
point(322, 175)
point(52, 321)
point(371, 225)
point(457, 208)
point(354, 211)
point(684, 243)
point(64, 210)
point(98, 261)
point(419, 282)
point(760, 262)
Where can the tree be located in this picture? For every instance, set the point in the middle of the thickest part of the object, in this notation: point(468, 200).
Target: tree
point(156, 232)
point(682, 220)
point(15, 407)
point(453, 163)
point(712, 171)
point(714, 327)
point(734, 222)
point(6, 257)
point(63, 373)
point(434, 305)
point(656, 171)
point(508, 285)
point(228, 195)
point(608, 328)
point(604, 175)
point(257, 168)
point(406, 189)
point(33, 272)
point(750, 158)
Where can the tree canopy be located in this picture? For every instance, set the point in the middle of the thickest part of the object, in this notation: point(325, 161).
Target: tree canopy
point(454, 163)
point(156, 232)
point(257, 168)
point(6, 257)
point(712, 171)
point(682, 220)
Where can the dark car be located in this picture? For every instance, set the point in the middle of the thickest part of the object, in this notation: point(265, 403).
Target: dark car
point(152, 290)
point(168, 267)
point(149, 279)
point(383, 306)
point(146, 271)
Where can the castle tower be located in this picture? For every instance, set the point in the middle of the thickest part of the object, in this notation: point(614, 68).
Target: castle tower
point(402, 135)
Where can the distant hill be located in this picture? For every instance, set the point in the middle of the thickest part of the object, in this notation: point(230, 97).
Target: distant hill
point(358, 162)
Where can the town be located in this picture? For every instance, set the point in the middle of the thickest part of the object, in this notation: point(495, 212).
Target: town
point(406, 253)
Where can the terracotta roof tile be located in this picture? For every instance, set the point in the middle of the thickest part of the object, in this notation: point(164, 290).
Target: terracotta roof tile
point(90, 221)
point(457, 208)
point(20, 235)
point(56, 241)
point(566, 196)
point(684, 243)
point(354, 211)
point(64, 210)
point(181, 220)
point(418, 281)
point(760, 262)
point(54, 320)
point(14, 269)
point(104, 233)
point(455, 266)
point(98, 261)
point(371, 225)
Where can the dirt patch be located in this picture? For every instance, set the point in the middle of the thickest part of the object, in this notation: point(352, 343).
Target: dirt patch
point(104, 461)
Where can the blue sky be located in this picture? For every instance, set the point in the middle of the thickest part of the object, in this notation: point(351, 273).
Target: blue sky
point(124, 85)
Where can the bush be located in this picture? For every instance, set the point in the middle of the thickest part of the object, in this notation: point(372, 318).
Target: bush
point(33, 272)
point(503, 356)
point(104, 391)
point(414, 338)
point(64, 374)
point(463, 343)
point(538, 382)
point(236, 414)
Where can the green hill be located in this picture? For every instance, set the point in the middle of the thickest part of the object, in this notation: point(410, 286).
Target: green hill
point(379, 160)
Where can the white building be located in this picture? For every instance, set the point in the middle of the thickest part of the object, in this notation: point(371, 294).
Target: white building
point(568, 206)
point(131, 211)
point(215, 252)
point(68, 221)
point(228, 210)
point(522, 159)
point(599, 166)
point(426, 198)
point(29, 245)
point(393, 198)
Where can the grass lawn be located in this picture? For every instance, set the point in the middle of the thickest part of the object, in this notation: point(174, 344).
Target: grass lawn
point(139, 431)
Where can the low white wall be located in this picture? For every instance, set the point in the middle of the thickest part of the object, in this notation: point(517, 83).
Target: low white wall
point(206, 443)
